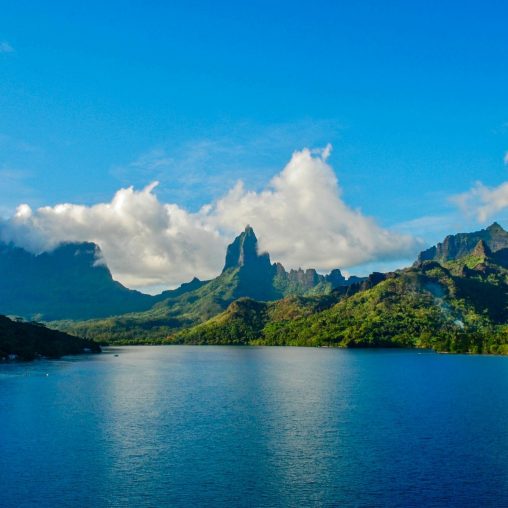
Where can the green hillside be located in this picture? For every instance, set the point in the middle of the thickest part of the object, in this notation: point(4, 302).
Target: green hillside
point(429, 306)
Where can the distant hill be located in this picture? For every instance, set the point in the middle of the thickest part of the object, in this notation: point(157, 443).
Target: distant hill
point(246, 273)
point(70, 282)
point(26, 341)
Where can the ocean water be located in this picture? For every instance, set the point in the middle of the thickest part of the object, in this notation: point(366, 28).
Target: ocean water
point(241, 426)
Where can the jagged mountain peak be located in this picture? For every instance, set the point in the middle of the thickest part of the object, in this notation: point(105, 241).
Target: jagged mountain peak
point(454, 247)
point(496, 227)
point(243, 252)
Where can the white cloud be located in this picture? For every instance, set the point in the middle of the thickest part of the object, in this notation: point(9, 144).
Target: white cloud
point(144, 242)
point(5, 47)
point(483, 202)
point(300, 218)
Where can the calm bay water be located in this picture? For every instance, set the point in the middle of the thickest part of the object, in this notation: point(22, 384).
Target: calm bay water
point(239, 426)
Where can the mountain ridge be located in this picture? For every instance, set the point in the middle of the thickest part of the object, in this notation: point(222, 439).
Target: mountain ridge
point(69, 281)
point(462, 244)
point(459, 304)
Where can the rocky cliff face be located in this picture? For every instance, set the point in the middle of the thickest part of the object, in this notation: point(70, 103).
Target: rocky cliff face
point(269, 281)
point(243, 253)
point(495, 238)
point(254, 272)
point(481, 250)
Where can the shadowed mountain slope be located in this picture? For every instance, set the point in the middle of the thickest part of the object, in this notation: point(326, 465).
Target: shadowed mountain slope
point(69, 282)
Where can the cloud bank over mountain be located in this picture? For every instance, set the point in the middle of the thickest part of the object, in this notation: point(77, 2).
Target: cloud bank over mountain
point(300, 218)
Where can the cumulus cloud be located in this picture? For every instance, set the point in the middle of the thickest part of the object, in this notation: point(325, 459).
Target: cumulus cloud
point(483, 202)
point(5, 47)
point(144, 242)
point(300, 219)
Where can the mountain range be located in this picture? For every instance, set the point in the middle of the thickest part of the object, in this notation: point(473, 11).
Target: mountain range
point(454, 298)
point(71, 285)
point(460, 245)
point(246, 273)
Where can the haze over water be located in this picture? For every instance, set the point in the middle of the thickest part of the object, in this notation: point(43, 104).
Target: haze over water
point(240, 426)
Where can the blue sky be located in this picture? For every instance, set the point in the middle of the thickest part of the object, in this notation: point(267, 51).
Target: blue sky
point(97, 96)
